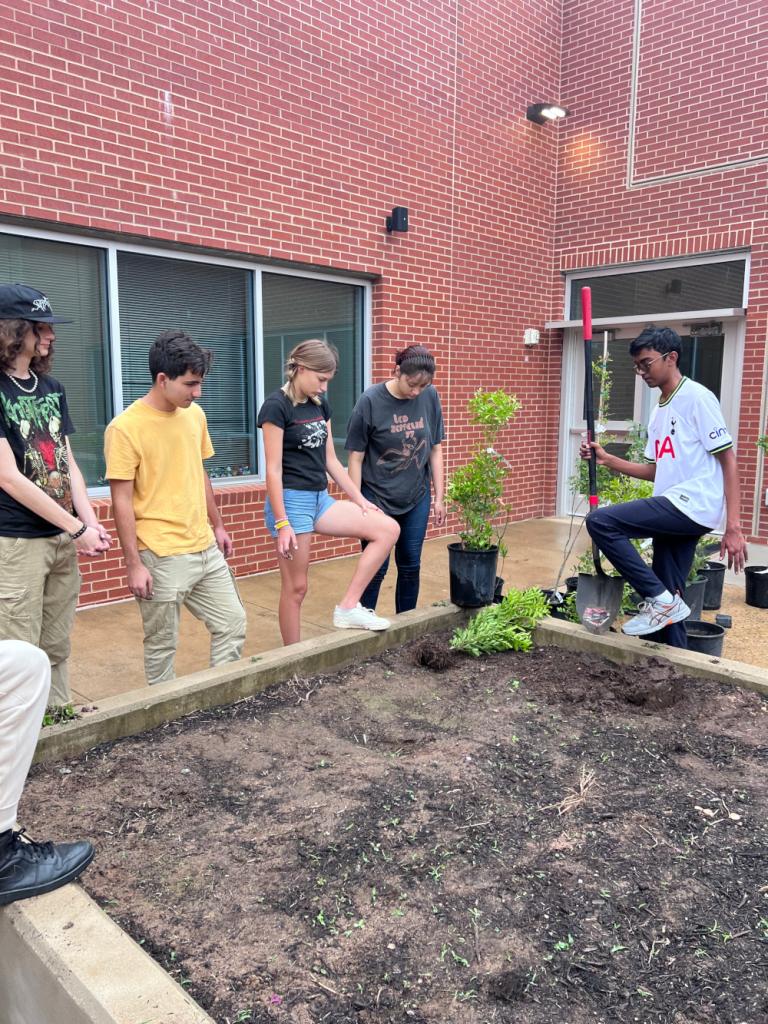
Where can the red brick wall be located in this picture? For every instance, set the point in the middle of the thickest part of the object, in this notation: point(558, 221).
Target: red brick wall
point(289, 130)
point(700, 103)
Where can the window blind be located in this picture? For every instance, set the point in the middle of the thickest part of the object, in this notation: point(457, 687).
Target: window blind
point(212, 304)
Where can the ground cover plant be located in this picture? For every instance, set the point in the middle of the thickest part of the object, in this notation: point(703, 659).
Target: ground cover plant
point(525, 837)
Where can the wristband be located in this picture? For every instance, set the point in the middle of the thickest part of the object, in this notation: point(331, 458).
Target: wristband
point(281, 523)
point(80, 532)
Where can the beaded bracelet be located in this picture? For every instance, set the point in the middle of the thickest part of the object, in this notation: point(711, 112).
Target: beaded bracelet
point(281, 523)
point(80, 532)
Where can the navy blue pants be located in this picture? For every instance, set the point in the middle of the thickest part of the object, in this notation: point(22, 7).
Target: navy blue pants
point(674, 538)
point(413, 528)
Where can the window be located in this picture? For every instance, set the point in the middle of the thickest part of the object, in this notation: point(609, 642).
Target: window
point(147, 292)
point(673, 289)
point(298, 308)
point(72, 276)
point(211, 303)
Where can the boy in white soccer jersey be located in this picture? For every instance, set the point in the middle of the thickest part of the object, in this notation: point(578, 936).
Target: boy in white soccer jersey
point(695, 490)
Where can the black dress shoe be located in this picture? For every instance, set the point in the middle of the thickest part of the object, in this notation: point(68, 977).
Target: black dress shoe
point(29, 869)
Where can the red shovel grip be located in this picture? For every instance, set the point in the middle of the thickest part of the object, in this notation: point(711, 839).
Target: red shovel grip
point(586, 312)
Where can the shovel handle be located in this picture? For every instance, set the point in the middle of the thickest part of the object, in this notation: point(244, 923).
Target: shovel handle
point(589, 400)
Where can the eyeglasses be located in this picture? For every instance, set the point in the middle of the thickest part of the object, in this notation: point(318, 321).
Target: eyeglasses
point(645, 364)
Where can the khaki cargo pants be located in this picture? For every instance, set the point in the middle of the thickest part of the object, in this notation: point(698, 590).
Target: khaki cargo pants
point(202, 583)
point(39, 587)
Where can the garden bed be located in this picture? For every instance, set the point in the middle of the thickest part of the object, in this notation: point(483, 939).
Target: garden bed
point(527, 837)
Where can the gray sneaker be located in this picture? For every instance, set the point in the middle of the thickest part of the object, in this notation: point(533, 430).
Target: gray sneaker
point(654, 615)
point(358, 618)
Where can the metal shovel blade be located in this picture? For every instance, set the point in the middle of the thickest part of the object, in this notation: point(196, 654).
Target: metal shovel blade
point(598, 600)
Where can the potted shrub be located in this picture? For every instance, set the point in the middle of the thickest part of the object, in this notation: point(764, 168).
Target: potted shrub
point(476, 493)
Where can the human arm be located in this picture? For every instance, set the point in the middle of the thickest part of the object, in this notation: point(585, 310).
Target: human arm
point(438, 482)
point(639, 470)
point(355, 468)
point(83, 506)
point(733, 543)
point(139, 577)
point(273, 454)
point(339, 475)
point(223, 540)
point(29, 495)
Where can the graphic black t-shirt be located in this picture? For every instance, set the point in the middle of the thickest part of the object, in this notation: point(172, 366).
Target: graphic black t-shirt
point(397, 436)
point(36, 427)
point(305, 432)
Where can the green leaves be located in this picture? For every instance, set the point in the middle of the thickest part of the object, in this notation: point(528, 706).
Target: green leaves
point(503, 627)
point(476, 490)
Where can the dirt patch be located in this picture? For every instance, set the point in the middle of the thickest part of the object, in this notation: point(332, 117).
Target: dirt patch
point(528, 838)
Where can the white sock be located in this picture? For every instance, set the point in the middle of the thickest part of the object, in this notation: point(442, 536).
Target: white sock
point(665, 597)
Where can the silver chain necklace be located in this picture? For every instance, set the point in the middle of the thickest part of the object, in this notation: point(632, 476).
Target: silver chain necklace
point(17, 382)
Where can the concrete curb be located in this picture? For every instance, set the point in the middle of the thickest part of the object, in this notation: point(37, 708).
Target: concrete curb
point(139, 710)
point(625, 651)
point(64, 960)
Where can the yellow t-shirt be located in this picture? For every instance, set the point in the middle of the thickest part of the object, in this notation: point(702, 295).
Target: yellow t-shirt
point(163, 452)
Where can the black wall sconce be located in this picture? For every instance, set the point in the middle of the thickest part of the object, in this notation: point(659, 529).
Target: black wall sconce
point(546, 113)
point(398, 219)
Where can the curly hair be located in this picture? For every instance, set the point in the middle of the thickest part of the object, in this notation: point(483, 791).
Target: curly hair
point(12, 335)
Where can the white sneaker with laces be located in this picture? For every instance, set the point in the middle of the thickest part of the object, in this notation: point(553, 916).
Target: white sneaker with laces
point(654, 615)
point(358, 618)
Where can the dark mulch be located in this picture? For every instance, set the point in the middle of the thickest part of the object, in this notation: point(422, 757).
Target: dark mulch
point(531, 838)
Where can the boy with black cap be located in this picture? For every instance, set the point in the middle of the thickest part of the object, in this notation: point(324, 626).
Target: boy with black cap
point(27, 868)
point(45, 515)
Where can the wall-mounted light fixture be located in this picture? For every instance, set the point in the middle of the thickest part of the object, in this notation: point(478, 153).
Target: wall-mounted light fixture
point(398, 219)
point(545, 113)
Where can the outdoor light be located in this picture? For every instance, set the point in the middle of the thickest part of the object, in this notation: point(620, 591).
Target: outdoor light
point(398, 219)
point(542, 113)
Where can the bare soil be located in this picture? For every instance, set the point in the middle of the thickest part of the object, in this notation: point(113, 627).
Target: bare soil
point(532, 838)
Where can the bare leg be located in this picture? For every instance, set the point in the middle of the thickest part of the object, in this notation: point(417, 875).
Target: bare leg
point(344, 519)
point(293, 589)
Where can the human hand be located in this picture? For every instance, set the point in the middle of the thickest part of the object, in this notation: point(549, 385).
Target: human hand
point(91, 543)
point(366, 506)
point(735, 546)
point(140, 582)
point(439, 513)
point(223, 541)
point(286, 542)
point(587, 447)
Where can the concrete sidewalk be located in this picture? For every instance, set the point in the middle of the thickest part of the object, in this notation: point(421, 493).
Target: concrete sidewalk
point(107, 640)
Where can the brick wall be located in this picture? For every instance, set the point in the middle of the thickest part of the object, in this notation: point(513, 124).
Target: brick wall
point(698, 142)
point(289, 130)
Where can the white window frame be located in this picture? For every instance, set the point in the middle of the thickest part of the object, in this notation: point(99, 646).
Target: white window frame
point(112, 248)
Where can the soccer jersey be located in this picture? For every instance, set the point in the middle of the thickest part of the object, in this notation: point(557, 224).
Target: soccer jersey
point(685, 433)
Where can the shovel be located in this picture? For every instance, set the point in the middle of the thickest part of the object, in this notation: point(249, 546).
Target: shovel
point(598, 597)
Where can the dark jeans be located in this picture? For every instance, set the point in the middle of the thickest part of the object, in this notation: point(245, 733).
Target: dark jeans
point(413, 527)
point(674, 542)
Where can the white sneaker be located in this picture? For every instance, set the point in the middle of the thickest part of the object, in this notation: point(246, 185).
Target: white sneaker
point(654, 615)
point(358, 618)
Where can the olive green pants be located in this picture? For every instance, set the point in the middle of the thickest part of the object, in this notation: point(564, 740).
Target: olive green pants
point(39, 587)
point(204, 584)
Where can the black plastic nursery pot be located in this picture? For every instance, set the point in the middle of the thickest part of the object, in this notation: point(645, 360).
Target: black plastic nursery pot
point(756, 583)
point(694, 597)
point(498, 590)
point(556, 602)
point(472, 575)
point(714, 574)
point(571, 583)
point(705, 637)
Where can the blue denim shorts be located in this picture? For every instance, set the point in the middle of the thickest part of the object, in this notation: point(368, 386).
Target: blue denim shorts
point(302, 508)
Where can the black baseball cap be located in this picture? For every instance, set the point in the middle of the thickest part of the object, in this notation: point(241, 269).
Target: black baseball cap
point(20, 302)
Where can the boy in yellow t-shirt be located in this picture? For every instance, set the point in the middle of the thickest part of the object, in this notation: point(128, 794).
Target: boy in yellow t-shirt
point(162, 501)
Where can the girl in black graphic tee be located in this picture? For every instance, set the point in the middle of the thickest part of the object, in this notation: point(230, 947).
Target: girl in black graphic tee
point(300, 457)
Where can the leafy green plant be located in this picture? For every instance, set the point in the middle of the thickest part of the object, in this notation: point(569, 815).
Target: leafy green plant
point(762, 443)
point(59, 714)
point(507, 626)
point(476, 490)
